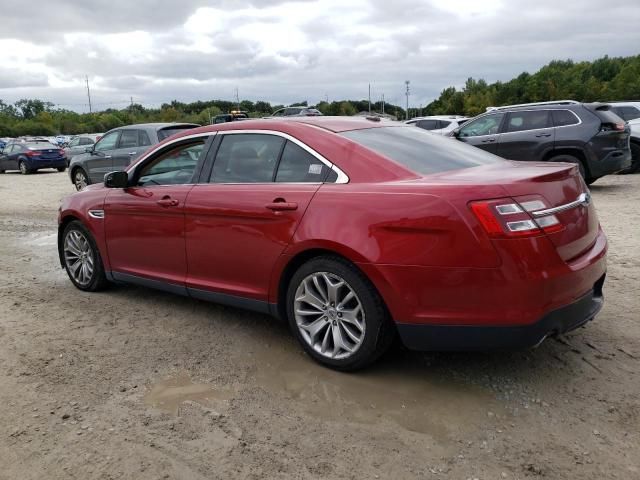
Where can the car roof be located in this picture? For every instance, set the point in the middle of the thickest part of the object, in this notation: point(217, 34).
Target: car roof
point(157, 125)
point(333, 124)
point(439, 117)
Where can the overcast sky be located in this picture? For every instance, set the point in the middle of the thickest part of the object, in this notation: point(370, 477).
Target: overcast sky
point(157, 50)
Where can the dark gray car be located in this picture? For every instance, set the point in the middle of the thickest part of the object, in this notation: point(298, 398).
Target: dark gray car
point(117, 149)
point(79, 144)
point(589, 135)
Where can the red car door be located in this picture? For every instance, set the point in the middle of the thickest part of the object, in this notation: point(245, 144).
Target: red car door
point(145, 224)
point(239, 224)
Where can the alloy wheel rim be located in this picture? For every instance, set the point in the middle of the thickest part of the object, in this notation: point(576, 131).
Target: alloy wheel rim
point(329, 315)
point(23, 167)
point(81, 180)
point(78, 257)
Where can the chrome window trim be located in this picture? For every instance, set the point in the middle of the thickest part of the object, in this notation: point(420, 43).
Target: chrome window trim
point(342, 177)
point(583, 199)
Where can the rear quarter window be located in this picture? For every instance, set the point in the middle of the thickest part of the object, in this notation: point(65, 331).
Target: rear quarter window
point(420, 151)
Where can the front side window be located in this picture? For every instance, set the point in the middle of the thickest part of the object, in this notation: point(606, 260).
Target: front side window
point(444, 124)
point(528, 120)
point(75, 142)
point(174, 167)
point(86, 141)
point(247, 158)
point(487, 125)
point(108, 142)
point(298, 165)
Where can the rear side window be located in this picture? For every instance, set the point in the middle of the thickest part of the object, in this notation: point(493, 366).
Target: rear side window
point(143, 138)
point(247, 158)
point(444, 124)
point(128, 139)
point(298, 165)
point(627, 113)
point(562, 118)
point(427, 124)
point(420, 151)
point(529, 120)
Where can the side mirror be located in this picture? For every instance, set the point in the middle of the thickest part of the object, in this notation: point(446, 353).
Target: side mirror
point(118, 179)
point(89, 149)
point(456, 132)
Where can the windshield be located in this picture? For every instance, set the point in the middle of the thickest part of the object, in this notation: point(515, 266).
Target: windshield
point(420, 151)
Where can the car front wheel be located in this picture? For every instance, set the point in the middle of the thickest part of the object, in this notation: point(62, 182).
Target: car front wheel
point(337, 314)
point(82, 259)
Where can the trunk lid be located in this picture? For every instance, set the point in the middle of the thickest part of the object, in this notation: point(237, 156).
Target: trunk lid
point(556, 184)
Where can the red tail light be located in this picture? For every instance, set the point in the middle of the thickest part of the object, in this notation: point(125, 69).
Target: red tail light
point(32, 153)
point(506, 218)
point(612, 127)
point(61, 152)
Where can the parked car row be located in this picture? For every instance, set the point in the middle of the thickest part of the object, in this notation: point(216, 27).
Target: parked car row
point(590, 135)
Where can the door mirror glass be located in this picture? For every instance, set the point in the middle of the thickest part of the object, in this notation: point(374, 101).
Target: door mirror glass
point(89, 149)
point(116, 180)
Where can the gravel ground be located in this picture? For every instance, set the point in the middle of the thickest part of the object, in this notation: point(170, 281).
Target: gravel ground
point(132, 383)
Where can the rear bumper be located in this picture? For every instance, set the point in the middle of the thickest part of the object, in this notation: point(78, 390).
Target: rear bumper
point(463, 337)
point(37, 164)
point(613, 162)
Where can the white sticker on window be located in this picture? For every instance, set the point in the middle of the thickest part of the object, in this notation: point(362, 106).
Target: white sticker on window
point(315, 168)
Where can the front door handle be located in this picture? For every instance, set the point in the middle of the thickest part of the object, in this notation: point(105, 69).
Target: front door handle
point(107, 156)
point(281, 206)
point(543, 135)
point(167, 202)
point(489, 140)
point(132, 153)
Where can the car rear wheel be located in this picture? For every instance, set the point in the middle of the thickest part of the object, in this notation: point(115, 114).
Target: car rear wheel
point(80, 179)
point(337, 314)
point(635, 159)
point(571, 159)
point(82, 259)
point(61, 169)
point(23, 168)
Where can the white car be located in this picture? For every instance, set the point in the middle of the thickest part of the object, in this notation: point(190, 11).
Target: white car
point(630, 111)
point(438, 124)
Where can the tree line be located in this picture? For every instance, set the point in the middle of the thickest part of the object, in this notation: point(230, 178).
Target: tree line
point(603, 79)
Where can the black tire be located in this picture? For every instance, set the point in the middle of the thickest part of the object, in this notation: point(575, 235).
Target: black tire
point(98, 280)
point(635, 160)
point(61, 169)
point(581, 166)
point(379, 330)
point(22, 166)
point(77, 182)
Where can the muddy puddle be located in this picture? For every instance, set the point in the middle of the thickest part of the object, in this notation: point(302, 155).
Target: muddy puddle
point(390, 392)
point(171, 392)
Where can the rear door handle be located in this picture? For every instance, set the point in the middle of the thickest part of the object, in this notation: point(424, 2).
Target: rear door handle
point(281, 206)
point(107, 156)
point(132, 153)
point(167, 202)
point(543, 135)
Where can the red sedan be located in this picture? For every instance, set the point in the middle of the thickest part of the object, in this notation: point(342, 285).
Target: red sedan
point(353, 230)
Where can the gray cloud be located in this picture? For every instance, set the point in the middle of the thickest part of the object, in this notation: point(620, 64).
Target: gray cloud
point(272, 51)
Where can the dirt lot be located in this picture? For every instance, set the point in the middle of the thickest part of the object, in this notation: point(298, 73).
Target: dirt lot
point(132, 383)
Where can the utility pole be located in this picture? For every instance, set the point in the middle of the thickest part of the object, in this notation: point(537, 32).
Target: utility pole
point(237, 99)
point(131, 102)
point(383, 103)
point(369, 98)
point(86, 79)
point(407, 93)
